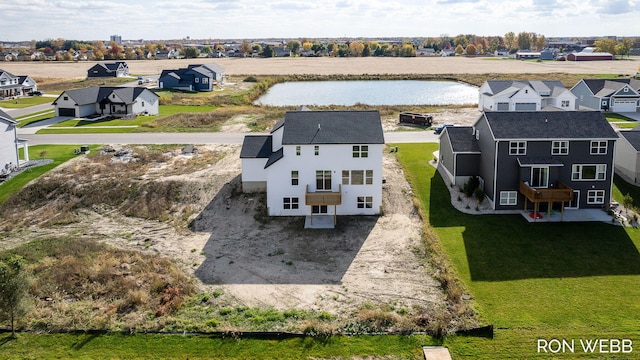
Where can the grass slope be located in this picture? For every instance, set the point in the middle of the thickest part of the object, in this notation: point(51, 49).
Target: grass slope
point(558, 280)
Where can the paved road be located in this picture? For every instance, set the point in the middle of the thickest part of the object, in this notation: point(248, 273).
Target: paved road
point(189, 138)
point(28, 110)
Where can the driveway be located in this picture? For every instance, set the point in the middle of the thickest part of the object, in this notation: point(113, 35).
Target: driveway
point(34, 127)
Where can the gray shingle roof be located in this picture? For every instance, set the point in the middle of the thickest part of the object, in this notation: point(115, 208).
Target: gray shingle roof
point(256, 146)
point(462, 139)
point(332, 127)
point(607, 86)
point(96, 94)
point(633, 137)
point(498, 86)
point(549, 125)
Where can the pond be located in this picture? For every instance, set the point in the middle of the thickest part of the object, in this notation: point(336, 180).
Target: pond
point(369, 92)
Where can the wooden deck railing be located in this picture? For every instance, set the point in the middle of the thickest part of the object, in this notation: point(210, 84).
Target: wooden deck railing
point(562, 192)
point(323, 197)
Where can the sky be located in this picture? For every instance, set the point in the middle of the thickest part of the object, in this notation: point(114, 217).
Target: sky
point(23, 20)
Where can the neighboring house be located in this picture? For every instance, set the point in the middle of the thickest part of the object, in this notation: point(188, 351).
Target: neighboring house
point(526, 54)
point(522, 95)
point(317, 162)
point(558, 159)
point(589, 54)
point(119, 101)
point(201, 77)
point(426, 52)
point(627, 160)
point(10, 145)
point(111, 69)
point(167, 54)
point(12, 85)
point(615, 95)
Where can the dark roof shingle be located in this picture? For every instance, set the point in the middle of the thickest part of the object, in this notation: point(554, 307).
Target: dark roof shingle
point(549, 125)
point(332, 127)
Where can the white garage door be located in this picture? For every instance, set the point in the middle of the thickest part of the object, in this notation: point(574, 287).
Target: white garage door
point(525, 106)
point(621, 105)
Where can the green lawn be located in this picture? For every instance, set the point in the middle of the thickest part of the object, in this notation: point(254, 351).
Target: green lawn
point(34, 117)
point(531, 281)
point(59, 154)
point(614, 117)
point(84, 126)
point(151, 346)
point(26, 102)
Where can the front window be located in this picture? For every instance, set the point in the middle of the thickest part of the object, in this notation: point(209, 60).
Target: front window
point(319, 209)
point(357, 177)
point(345, 177)
point(539, 177)
point(290, 203)
point(560, 148)
point(365, 202)
point(316, 150)
point(298, 150)
point(508, 198)
point(517, 148)
point(360, 151)
point(323, 180)
point(589, 172)
point(368, 177)
point(598, 147)
point(565, 103)
point(294, 177)
point(595, 197)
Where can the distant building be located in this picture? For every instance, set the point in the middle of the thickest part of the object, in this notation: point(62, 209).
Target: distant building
point(116, 38)
point(113, 69)
point(589, 54)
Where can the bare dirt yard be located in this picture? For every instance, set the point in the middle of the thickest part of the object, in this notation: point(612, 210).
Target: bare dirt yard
point(349, 66)
point(223, 238)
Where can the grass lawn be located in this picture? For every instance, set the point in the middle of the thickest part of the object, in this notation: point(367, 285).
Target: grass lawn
point(614, 117)
point(59, 154)
point(35, 117)
point(24, 102)
point(556, 280)
point(153, 346)
point(85, 126)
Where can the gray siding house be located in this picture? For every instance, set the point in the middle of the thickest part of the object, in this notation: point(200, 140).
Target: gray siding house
point(561, 159)
point(615, 95)
point(192, 78)
point(105, 100)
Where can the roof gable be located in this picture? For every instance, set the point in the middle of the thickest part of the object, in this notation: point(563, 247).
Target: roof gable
point(633, 137)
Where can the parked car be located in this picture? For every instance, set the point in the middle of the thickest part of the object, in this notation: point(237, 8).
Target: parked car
point(440, 128)
point(35, 93)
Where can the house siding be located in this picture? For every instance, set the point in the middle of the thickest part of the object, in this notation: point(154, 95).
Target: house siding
point(8, 148)
point(279, 178)
point(486, 163)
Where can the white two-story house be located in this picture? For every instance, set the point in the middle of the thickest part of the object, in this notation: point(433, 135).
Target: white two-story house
point(10, 145)
point(317, 163)
point(522, 95)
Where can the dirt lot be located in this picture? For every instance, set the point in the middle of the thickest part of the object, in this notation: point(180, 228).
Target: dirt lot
point(327, 66)
point(262, 261)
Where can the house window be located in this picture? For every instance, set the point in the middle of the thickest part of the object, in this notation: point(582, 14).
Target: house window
point(290, 203)
point(477, 134)
point(517, 147)
point(143, 104)
point(357, 177)
point(508, 198)
point(205, 80)
point(316, 150)
point(539, 177)
point(65, 98)
point(598, 147)
point(565, 103)
point(560, 148)
point(319, 209)
point(323, 180)
point(588, 172)
point(595, 197)
point(345, 177)
point(297, 150)
point(368, 177)
point(197, 80)
point(360, 151)
point(294, 177)
point(365, 202)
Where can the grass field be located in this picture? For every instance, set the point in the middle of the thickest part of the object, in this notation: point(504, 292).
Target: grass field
point(59, 154)
point(531, 281)
point(24, 102)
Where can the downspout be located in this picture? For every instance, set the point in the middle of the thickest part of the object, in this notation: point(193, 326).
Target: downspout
point(613, 156)
point(495, 173)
